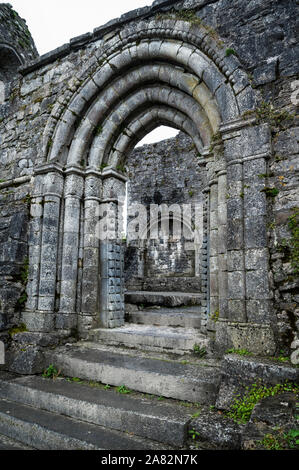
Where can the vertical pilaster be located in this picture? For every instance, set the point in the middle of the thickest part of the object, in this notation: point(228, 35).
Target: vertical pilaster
point(204, 255)
point(73, 191)
point(90, 308)
point(34, 244)
point(258, 295)
point(235, 242)
point(213, 251)
point(42, 292)
point(248, 325)
point(112, 255)
point(222, 244)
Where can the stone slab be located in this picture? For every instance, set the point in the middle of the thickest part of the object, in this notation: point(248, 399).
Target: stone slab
point(150, 337)
point(197, 383)
point(49, 431)
point(156, 421)
point(166, 317)
point(168, 299)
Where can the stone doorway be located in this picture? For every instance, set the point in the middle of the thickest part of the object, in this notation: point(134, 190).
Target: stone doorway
point(166, 275)
point(166, 75)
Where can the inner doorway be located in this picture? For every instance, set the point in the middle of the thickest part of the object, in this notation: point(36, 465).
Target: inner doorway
point(163, 271)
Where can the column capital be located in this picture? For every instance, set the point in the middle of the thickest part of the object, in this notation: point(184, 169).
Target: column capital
point(92, 172)
point(74, 170)
point(46, 168)
point(111, 173)
point(74, 183)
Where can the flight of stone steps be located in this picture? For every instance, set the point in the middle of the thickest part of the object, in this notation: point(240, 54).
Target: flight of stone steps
point(158, 321)
point(46, 414)
point(152, 355)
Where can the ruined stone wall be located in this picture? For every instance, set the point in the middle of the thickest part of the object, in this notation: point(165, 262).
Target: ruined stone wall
point(14, 32)
point(261, 34)
point(16, 48)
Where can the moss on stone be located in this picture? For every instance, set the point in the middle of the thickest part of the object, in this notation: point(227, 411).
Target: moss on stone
point(17, 329)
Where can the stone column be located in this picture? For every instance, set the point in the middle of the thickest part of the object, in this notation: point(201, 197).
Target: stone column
point(235, 242)
point(34, 244)
point(73, 191)
point(248, 324)
point(222, 243)
point(217, 245)
point(213, 249)
point(204, 265)
point(258, 295)
point(112, 255)
point(44, 248)
point(202, 252)
point(89, 314)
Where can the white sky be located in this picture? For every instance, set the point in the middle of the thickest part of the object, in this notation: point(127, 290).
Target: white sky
point(53, 23)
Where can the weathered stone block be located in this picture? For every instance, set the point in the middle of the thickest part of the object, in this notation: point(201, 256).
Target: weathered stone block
point(256, 259)
point(236, 310)
point(255, 232)
point(273, 416)
point(217, 431)
point(236, 285)
point(36, 339)
point(38, 321)
point(239, 372)
point(259, 311)
point(235, 234)
point(235, 260)
point(28, 362)
point(257, 285)
point(265, 73)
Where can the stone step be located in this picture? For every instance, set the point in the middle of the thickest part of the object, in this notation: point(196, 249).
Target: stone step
point(152, 338)
point(44, 430)
point(167, 299)
point(10, 444)
point(162, 376)
point(187, 317)
point(163, 422)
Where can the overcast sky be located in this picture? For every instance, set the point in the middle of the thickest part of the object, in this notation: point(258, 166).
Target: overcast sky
point(53, 23)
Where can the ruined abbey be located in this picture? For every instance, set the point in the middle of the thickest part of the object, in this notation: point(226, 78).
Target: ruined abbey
point(193, 318)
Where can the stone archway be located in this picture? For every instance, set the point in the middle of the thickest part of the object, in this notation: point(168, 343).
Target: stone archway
point(161, 71)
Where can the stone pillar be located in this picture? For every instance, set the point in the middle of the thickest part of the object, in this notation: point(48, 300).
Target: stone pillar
point(112, 285)
point(213, 249)
point(258, 295)
point(112, 309)
point(235, 242)
point(34, 245)
point(248, 324)
point(73, 191)
point(90, 308)
point(222, 243)
point(204, 274)
point(39, 313)
point(217, 245)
